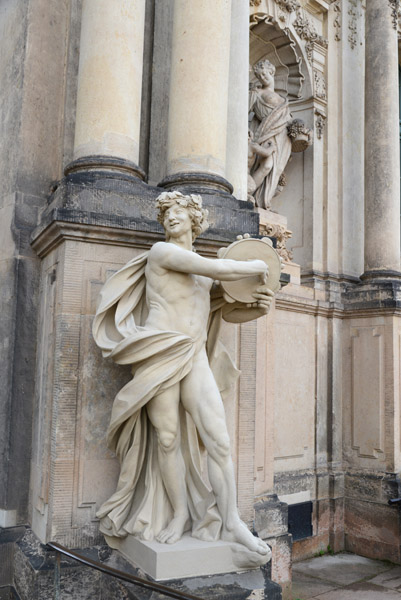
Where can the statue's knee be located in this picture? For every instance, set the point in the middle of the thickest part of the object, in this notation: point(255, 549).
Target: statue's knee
point(167, 440)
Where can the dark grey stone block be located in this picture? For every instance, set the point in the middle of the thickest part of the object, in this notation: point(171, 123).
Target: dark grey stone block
point(117, 199)
point(34, 578)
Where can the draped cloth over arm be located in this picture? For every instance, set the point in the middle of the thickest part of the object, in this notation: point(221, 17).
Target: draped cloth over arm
point(159, 359)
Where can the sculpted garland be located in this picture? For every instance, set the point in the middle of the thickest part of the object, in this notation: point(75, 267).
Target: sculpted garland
point(160, 314)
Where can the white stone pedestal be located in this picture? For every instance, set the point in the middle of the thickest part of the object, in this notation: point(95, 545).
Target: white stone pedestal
point(187, 558)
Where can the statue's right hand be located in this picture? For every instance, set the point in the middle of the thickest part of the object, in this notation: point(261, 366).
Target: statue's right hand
point(262, 269)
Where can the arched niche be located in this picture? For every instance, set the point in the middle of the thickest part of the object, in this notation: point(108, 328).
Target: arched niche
point(279, 42)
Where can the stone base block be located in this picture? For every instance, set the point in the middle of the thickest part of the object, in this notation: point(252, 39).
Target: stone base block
point(34, 578)
point(189, 557)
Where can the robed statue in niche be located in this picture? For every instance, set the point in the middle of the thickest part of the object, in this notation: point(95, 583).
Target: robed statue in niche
point(160, 314)
point(273, 135)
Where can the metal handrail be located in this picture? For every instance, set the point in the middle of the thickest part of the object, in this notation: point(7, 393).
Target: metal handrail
point(148, 585)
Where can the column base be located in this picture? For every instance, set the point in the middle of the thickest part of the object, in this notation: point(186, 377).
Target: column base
point(197, 182)
point(376, 274)
point(105, 163)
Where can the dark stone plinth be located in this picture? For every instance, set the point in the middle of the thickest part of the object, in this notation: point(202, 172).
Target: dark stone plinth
point(121, 200)
point(8, 593)
point(34, 578)
point(373, 294)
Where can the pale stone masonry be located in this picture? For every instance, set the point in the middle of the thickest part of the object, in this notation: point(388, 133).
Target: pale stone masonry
point(103, 105)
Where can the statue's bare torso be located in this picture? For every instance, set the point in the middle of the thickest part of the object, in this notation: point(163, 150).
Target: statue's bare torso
point(177, 301)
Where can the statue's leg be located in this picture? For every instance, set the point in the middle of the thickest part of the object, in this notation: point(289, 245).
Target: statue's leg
point(201, 398)
point(163, 412)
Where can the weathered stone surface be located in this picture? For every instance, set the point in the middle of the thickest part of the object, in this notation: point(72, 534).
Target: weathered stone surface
point(271, 517)
point(122, 201)
point(34, 578)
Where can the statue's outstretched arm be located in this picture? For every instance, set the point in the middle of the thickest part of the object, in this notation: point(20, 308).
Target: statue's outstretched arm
point(169, 256)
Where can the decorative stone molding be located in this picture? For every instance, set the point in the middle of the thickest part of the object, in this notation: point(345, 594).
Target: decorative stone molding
point(255, 2)
point(282, 234)
point(320, 124)
point(395, 12)
point(320, 85)
point(300, 135)
point(352, 24)
point(307, 32)
point(337, 20)
point(278, 45)
point(288, 5)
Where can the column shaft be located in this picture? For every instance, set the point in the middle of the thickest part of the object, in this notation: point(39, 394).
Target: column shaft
point(110, 79)
point(237, 126)
point(382, 161)
point(199, 88)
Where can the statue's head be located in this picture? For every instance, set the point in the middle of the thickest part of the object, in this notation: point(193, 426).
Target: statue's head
point(262, 67)
point(192, 203)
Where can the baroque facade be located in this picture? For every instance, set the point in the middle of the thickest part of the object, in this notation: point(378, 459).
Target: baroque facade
point(105, 104)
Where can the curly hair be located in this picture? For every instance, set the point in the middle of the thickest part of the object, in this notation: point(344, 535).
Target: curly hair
point(260, 65)
point(192, 202)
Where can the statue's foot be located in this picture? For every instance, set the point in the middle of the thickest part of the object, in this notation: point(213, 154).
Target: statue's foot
point(174, 530)
point(240, 534)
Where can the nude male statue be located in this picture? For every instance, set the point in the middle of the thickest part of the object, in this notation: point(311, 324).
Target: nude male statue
point(177, 314)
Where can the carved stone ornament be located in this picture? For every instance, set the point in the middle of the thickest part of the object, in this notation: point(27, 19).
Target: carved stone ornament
point(255, 2)
point(320, 85)
point(282, 234)
point(395, 11)
point(320, 124)
point(300, 135)
point(306, 31)
point(288, 5)
point(337, 20)
point(352, 24)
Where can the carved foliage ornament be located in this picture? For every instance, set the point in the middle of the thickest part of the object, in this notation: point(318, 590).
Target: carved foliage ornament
point(255, 2)
point(352, 24)
point(320, 124)
point(337, 20)
point(395, 11)
point(282, 234)
point(306, 30)
point(288, 5)
point(320, 85)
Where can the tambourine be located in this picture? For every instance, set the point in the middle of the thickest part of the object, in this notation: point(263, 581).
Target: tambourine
point(248, 248)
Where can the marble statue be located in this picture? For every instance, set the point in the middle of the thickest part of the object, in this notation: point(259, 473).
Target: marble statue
point(160, 314)
point(271, 130)
point(264, 164)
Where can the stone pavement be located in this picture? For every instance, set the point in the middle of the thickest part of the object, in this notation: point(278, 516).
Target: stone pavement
point(346, 577)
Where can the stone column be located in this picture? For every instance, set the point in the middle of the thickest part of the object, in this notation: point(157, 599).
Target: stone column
point(197, 126)
point(237, 127)
point(109, 85)
point(382, 161)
